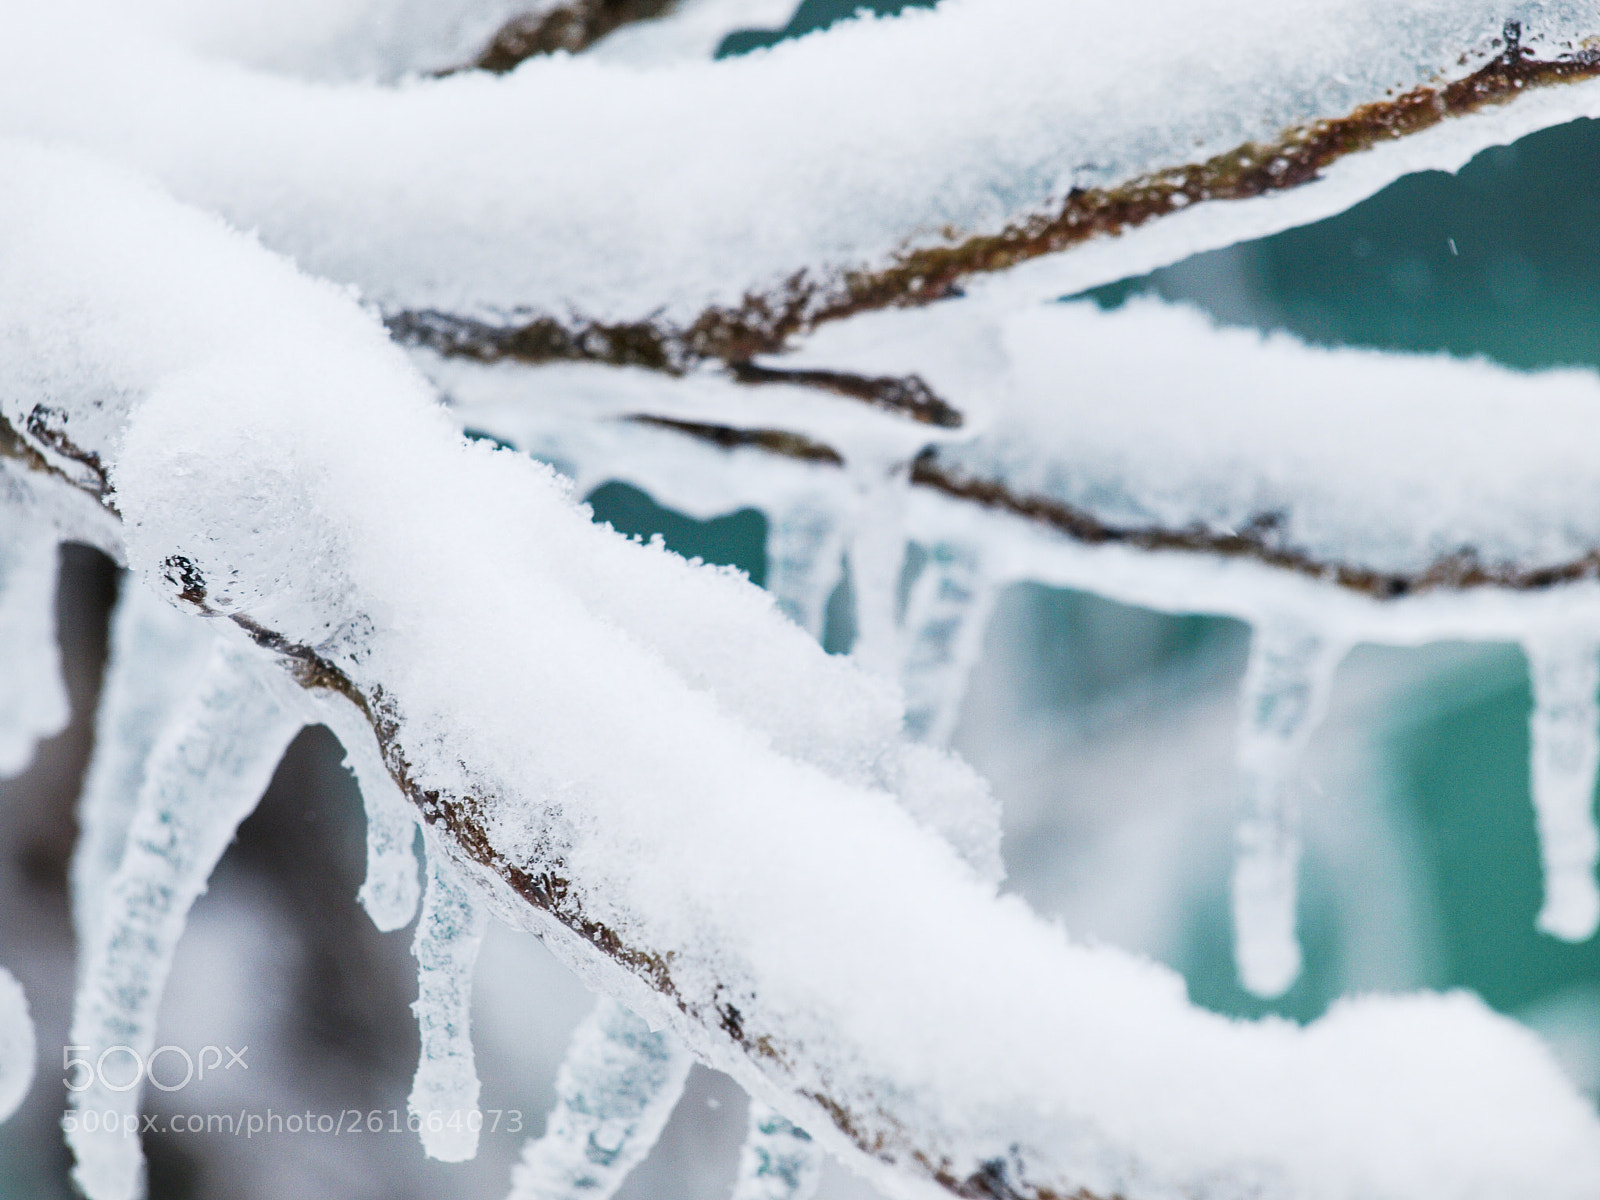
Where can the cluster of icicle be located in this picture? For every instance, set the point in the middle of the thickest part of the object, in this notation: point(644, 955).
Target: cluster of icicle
point(189, 730)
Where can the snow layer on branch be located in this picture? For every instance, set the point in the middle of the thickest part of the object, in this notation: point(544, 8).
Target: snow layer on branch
point(657, 192)
point(693, 30)
point(331, 39)
point(33, 699)
point(1149, 417)
point(699, 777)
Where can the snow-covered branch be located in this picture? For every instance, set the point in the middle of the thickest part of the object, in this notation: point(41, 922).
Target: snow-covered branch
point(618, 766)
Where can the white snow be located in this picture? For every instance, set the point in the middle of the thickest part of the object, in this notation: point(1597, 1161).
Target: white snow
point(614, 1092)
point(444, 1095)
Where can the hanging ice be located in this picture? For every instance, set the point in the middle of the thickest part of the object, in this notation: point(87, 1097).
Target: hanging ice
point(156, 655)
point(877, 554)
point(1565, 729)
point(17, 1047)
point(779, 1160)
point(1285, 694)
point(946, 614)
point(614, 1093)
point(389, 892)
point(805, 558)
point(205, 775)
point(444, 1095)
point(33, 700)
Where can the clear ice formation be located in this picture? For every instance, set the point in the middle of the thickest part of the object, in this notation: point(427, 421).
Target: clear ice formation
point(1285, 695)
point(390, 891)
point(946, 615)
point(779, 1160)
point(877, 550)
point(156, 656)
point(444, 1094)
point(614, 1093)
point(1565, 729)
point(17, 1045)
point(33, 699)
point(805, 559)
point(204, 776)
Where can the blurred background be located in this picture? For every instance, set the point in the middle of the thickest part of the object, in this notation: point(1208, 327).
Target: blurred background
point(1106, 731)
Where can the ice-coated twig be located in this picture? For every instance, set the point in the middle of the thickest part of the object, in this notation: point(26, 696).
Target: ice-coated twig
point(33, 700)
point(389, 892)
point(946, 615)
point(1286, 687)
point(156, 655)
point(614, 1092)
point(779, 1160)
point(17, 1048)
point(1565, 728)
point(805, 558)
point(206, 773)
point(444, 1095)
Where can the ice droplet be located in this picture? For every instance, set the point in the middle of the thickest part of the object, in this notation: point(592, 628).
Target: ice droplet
point(946, 615)
point(205, 775)
point(779, 1160)
point(614, 1093)
point(805, 558)
point(1565, 729)
point(33, 700)
point(1286, 686)
point(444, 1095)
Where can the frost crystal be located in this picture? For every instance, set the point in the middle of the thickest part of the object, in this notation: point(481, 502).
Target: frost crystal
point(1285, 694)
point(33, 700)
point(444, 1095)
point(205, 775)
point(1565, 728)
point(614, 1093)
point(779, 1160)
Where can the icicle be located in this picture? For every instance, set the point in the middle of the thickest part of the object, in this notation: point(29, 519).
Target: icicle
point(1565, 730)
point(805, 558)
point(17, 1046)
point(33, 699)
point(779, 1160)
point(614, 1093)
point(390, 891)
point(444, 1095)
point(946, 615)
point(877, 554)
point(1286, 688)
point(206, 774)
point(157, 654)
